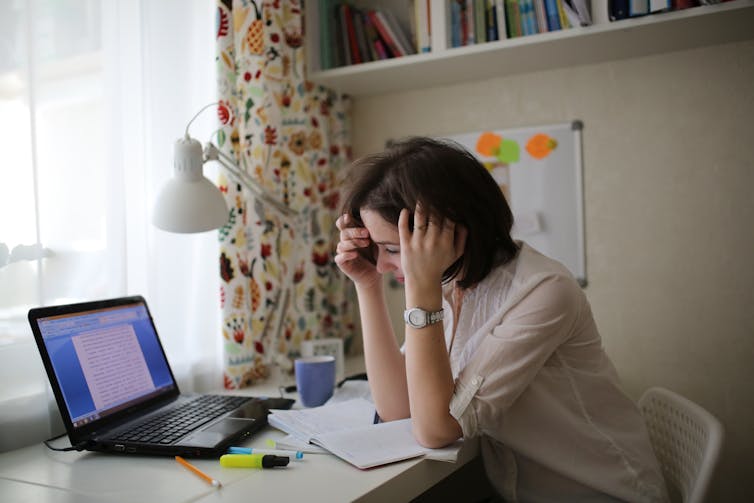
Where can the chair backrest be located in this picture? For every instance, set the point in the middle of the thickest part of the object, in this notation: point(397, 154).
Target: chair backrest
point(687, 441)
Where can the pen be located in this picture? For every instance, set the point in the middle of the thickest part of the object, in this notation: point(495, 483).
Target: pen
point(277, 452)
point(252, 460)
point(197, 471)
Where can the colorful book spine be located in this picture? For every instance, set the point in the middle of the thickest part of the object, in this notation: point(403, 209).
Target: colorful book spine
point(480, 24)
point(339, 54)
point(514, 18)
point(384, 31)
point(398, 34)
point(531, 16)
point(421, 18)
point(490, 19)
point(659, 5)
point(353, 45)
point(373, 39)
point(455, 24)
point(541, 14)
point(345, 42)
point(502, 23)
point(564, 23)
point(617, 9)
point(553, 17)
point(361, 39)
point(638, 7)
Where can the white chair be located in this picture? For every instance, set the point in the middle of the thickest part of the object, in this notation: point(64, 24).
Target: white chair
point(686, 439)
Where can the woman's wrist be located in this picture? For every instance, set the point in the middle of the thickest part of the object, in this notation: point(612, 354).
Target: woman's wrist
point(369, 287)
point(428, 297)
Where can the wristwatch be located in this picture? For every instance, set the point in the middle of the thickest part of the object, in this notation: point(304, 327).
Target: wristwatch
point(417, 317)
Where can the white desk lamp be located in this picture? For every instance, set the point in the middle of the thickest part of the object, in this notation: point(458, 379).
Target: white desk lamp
point(189, 202)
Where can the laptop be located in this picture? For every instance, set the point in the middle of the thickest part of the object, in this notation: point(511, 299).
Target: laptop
point(116, 391)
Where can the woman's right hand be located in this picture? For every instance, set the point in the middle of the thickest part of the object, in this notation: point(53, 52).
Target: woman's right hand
point(353, 264)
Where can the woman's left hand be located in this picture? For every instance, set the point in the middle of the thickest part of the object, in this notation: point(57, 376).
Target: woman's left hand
point(428, 250)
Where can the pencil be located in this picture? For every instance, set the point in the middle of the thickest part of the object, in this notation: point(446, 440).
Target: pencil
point(209, 480)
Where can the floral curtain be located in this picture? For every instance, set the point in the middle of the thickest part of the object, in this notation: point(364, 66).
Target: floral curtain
point(279, 284)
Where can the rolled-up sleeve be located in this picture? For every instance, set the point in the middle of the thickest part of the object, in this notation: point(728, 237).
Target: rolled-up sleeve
point(511, 354)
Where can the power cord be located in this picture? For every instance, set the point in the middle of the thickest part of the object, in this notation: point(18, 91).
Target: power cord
point(78, 447)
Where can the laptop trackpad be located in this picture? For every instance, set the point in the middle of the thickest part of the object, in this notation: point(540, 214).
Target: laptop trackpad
point(218, 432)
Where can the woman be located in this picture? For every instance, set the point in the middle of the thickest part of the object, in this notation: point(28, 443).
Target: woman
point(500, 341)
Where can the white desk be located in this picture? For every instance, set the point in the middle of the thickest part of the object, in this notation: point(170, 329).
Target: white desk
point(37, 474)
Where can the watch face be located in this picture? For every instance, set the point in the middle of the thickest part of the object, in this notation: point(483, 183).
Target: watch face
point(417, 318)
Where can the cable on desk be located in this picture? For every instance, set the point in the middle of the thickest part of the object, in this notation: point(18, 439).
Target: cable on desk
point(78, 447)
point(292, 388)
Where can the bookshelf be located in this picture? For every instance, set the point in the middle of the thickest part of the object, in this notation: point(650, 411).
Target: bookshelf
point(603, 41)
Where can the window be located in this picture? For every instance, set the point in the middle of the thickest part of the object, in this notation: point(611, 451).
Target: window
point(54, 197)
point(93, 93)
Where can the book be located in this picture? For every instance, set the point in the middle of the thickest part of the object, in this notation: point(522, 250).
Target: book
point(638, 7)
point(531, 17)
point(659, 5)
point(361, 39)
point(553, 18)
point(570, 12)
point(564, 24)
point(378, 21)
point(502, 23)
point(514, 18)
point(344, 46)
point(490, 19)
point(541, 15)
point(467, 8)
point(346, 430)
point(353, 44)
point(617, 9)
point(455, 24)
point(421, 19)
point(582, 10)
point(373, 39)
point(398, 33)
point(480, 25)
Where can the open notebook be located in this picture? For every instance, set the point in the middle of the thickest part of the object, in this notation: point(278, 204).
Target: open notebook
point(346, 429)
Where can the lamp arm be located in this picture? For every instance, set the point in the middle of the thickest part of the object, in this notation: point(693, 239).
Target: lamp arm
point(212, 153)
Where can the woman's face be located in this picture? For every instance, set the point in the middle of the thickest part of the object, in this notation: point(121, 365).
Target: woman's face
point(385, 237)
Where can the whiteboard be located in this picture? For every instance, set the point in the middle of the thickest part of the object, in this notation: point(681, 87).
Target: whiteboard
point(539, 169)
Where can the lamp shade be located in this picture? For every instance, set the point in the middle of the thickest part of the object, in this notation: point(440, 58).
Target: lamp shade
point(189, 202)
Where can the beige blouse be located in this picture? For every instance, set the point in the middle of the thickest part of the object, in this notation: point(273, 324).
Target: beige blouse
point(534, 382)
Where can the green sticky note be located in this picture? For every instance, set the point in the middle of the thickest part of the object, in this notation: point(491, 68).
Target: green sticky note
point(508, 151)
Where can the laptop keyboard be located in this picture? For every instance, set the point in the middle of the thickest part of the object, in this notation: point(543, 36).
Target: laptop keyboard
point(168, 427)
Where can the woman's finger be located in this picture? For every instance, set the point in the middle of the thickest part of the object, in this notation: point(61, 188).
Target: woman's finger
point(351, 244)
point(342, 258)
point(404, 234)
point(340, 223)
point(420, 218)
point(354, 233)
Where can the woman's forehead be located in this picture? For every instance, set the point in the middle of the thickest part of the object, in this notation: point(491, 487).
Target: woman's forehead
point(378, 227)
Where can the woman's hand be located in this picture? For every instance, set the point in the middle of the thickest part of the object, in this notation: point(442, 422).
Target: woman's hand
point(428, 250)
point(347, 256)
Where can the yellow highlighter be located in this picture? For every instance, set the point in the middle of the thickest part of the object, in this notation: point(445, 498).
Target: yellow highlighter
point(253, 460)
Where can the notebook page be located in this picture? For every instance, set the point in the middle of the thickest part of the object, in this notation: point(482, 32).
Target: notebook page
point(306, 423)
point(373, 445)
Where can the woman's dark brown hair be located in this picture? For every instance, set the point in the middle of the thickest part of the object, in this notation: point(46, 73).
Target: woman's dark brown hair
point(450, 183)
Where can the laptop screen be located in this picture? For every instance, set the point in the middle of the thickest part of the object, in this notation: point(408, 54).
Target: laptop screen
point(105, 360)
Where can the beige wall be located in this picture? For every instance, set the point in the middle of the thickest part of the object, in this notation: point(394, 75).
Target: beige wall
point(669, 193)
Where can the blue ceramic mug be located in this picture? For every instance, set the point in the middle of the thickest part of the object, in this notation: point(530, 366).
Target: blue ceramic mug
point(315, 379)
